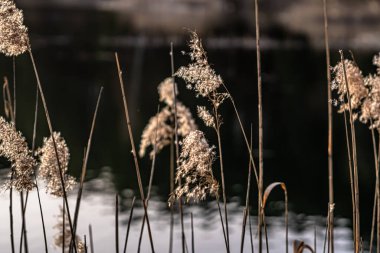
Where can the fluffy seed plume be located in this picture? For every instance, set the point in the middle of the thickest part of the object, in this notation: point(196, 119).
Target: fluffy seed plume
point(58, 238)
point(160, 129)
point(165, 91)
point(48, 169)
point(198, 75)
point(14, 39)
point(14, 147)
point(370, 109)
point(195, 170)
point(356, 86)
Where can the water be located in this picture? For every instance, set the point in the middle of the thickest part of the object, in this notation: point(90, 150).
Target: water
point(98, 209)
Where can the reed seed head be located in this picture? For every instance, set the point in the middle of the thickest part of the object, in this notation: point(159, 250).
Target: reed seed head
point(58, 238)
point(49, 170)
point(195, 170)
point(206, 116)
point(160, 131)
point(14, 147)
point(370, 109)
point(355, 80)
point(199, 75)
point(14, 39)
point(165, 91)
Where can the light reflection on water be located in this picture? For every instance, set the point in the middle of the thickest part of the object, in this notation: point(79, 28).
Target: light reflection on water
point(97, 209)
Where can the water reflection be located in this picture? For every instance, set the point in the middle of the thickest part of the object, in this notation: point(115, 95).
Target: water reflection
point(97, 209)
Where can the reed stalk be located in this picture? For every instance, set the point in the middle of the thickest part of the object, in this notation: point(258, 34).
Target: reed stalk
point(260, 113)
point(330, 132)
point(129, 225)
point(84, 166)
point(354, 157)
point(246, 199)
point(150, 180)
point(91, 239)
point(192, 234)
point(177, 144)
point(133, 149)
point(54, 144)
point(117, 223)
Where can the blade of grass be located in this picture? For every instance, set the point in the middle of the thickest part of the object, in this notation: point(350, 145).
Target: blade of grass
point(267, 192)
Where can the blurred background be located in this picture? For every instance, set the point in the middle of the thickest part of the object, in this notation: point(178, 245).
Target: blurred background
point(74, 43)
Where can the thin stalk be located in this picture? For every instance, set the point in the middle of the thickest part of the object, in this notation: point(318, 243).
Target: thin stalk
point(330, 132)
point(91, 239)
point(14, 86)
point(133, 149)
point(23, 225)
point(63, 226)
point(354, 157)
point(376, 200)
point(84, 166)
point(129, 225)
point(217, 129)
point(260, 113)
point(315, 238)
point(221, 221)
point(350, 170)
point(34, 174)
point(176, 142)
point(374, 211)
point(54, 144)
point(246, 200)
point(265, 232)
point(150, 179)
point(171, 190)
point(250, 231)
point(11, 215)
point(192, 234)
point(117, 224)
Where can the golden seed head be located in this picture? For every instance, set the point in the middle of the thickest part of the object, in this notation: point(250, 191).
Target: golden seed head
point(355, 80)
point(48, 169)
point(195, 170)
point(14, 147)
point(14, 39)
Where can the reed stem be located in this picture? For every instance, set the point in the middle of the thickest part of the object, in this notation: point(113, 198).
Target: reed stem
point(330, 132)
point(59, 167)
point(260, 113)
point(133, 149)
point(129, 225)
